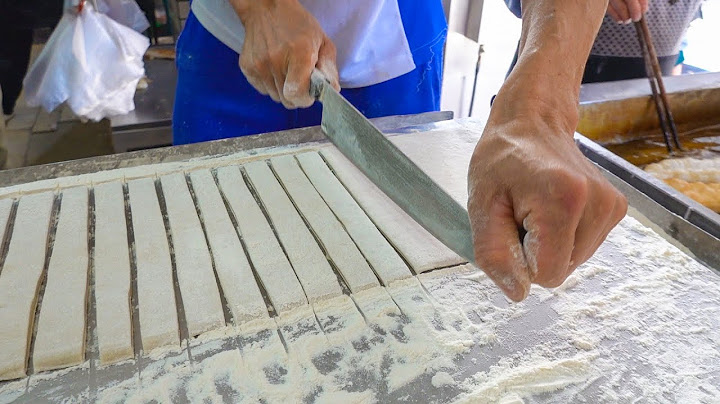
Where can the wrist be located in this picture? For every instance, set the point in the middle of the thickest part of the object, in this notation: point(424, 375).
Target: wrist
point(529, 95)
point(245, 9)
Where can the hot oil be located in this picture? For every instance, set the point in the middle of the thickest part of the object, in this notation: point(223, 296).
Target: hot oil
point(698, 141)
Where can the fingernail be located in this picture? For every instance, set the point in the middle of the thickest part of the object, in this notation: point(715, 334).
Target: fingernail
point(628, 21)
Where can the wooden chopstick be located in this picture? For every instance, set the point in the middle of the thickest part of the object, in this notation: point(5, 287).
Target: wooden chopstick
point(656, 83)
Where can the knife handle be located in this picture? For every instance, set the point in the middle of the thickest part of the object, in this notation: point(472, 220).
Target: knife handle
point(317, 83)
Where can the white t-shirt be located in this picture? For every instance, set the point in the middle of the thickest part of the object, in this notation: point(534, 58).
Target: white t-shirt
point(368, 34)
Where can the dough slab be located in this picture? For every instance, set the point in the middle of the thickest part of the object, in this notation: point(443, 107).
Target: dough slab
point(233, 269)
point(312, 269)
point(20, 280)
point(198, 288)
point(377, 250)
point(423, 251)
point(156, 293)
point(266, 254)
point(338, 245)
point(60, 340)
point(112, 275)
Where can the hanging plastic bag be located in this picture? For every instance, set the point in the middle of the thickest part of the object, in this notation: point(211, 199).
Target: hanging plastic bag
point(91, 62)
point(126, 12)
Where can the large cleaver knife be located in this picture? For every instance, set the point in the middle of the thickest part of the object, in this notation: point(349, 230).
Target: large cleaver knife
point(391, 170)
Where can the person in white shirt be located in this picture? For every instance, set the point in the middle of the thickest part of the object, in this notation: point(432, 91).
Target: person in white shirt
point(526, 175)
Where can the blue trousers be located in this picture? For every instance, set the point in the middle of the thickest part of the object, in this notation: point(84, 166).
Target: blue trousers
point(213, 99)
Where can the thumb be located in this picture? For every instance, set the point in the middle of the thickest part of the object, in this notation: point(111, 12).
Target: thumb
point(498, 250)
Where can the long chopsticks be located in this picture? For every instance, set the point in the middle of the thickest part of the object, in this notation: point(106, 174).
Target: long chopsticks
point(652, 66)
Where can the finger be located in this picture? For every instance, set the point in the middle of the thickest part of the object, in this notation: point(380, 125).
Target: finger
point(622, 11)
point(326, 63)
point(614, 15)
point(296, 88)
point(644, 6)
point(635, 10)
point(618, 213)
point(592, 226)
point(498, 251)
point(551, 229)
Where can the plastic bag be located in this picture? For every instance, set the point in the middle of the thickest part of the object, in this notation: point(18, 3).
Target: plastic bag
point(90, 61)
point(126, 12)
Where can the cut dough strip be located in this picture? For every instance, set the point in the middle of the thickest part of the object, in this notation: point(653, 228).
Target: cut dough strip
point(198, 289)
point(312, 269)
point(20, 280)
point(265, 253)
point(156, 294)
point(380, 254)
point(233, 269)
point(60, 340)
point(338, 245)
point(423, 251)
point(112, 275)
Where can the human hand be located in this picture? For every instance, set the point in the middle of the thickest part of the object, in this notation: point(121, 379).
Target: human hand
point(527, 175)
point(627, 11)
point(283, 44)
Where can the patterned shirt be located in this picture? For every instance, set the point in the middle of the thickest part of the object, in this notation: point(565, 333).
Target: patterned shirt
point(668, 20)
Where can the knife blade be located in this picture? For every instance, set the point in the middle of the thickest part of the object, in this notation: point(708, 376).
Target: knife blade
point(391, 170)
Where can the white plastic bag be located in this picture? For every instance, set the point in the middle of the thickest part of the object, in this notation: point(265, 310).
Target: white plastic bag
point(126, 12)
point(90, 61)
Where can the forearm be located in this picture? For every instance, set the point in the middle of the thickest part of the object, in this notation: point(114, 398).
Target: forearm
point(556, 39)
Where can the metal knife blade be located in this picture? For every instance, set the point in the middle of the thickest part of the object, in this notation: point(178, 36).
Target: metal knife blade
point(392, 171)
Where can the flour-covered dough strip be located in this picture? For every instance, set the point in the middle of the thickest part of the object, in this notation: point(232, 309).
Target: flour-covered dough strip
point(112, 275)
point(156, 293)
point(338, 244)
point(198, 288)
point(233, 269)
point(312, 268)
point(379, 253)
point(265, 253)
point(60, 340)
point(423, 251)
point(20, 280)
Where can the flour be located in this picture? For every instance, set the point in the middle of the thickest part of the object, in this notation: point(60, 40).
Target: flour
point(640, 319)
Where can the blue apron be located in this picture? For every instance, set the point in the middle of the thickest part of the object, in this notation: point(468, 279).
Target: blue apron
point(213, 99)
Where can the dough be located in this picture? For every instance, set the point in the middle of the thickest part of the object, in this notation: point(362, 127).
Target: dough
point(156, 293)
point(232, 267)
point(5, 209)
point(60, 340)
point(112, 275)
point(198, 288)
point(338, 245)
point(310, 265)
point(19, 281)
point(421, 250)
point(265, 253)
point(377, 250)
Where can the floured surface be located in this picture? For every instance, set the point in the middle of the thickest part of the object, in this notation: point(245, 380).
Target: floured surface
point(60, 339)
point(452, 337)
point(19, 281)
point(639, 320)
